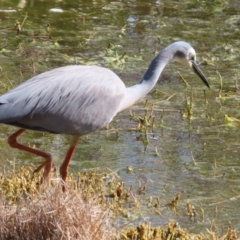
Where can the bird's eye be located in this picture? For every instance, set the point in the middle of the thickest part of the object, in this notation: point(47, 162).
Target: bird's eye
point(192, 58)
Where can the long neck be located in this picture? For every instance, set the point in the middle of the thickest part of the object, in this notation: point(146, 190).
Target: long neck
point(150, 78)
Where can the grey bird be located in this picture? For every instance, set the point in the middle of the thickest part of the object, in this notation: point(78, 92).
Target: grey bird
point(77, 100)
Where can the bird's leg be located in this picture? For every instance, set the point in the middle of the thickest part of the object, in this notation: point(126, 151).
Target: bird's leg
point(47, 164)
point(64, 167)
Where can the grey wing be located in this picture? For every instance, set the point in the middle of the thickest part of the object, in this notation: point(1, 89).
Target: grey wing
point(73, 100)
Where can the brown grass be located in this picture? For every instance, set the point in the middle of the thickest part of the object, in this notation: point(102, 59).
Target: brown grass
point(53, 214)
point(32, 211)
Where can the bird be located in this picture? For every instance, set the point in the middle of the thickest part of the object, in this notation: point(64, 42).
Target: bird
point(76, 100)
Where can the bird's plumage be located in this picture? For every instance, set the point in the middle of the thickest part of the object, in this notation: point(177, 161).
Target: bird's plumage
point(64, 100)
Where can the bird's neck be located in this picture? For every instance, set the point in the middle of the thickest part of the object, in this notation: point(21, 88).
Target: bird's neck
point(150, 78)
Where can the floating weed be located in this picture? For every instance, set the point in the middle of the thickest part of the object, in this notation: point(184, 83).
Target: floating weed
point(145, 125)
point(231, 234)
point(231, 121)
point(221, 84)
point(156, 150)
point(157, 93)
point(161, 119)
point(148, 121)
point(153, 124)
point(6, 87)
point(4, 78)
point(171, 231)
point(174, 202)
point(141, 189)
point(215, 163)
point(119, 190)
point(112, 57)
point(18, 26)
point(191, 212)
point(236, 82)
point(189, 111)
point(205, 96)
point(182, 78)
point(129, 169)
point(157, 204)
point(145, 231)
point(145, 139)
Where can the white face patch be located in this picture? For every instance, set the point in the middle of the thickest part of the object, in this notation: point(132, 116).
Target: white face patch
point(191, 54)
point(185, 57)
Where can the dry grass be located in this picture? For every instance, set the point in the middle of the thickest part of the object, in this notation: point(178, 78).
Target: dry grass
point(52, 214)
point(32, 211)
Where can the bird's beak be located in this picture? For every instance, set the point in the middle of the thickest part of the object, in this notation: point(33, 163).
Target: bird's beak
point(198, 71)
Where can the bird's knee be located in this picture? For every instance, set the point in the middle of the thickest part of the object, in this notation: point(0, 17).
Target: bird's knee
point(12, 142)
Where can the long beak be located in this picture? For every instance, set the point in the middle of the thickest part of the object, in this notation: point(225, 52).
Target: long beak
point(198, 71)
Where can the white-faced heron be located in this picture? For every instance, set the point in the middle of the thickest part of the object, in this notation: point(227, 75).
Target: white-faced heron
point(77, 100)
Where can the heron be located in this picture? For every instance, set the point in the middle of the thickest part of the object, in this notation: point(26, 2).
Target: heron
point(76, 100)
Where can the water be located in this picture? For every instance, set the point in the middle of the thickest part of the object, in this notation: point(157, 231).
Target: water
point(197, 157)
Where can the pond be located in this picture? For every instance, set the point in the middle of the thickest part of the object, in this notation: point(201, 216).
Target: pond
point(196, 155)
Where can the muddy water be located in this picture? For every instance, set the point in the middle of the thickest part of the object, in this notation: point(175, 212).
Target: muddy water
point(197, 156)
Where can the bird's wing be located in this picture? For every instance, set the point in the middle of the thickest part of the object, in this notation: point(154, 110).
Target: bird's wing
point(70, 100)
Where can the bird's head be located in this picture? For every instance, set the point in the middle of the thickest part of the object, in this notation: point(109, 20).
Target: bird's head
point(186, 55)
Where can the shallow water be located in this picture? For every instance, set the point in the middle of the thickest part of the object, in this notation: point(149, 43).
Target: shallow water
point(197, 157)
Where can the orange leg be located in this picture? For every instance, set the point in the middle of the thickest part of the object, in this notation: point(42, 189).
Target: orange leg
point(47, 164)
point(64, 167)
